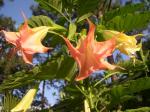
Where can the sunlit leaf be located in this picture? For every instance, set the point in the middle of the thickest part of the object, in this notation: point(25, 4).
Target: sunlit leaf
point(72, 31)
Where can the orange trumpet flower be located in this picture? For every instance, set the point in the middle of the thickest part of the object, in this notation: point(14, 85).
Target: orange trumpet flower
point(90, 54)
point(28, 40)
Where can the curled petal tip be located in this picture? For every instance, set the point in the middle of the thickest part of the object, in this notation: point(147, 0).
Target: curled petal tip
point(50, 49)
point(79, 78)
point(24, 16)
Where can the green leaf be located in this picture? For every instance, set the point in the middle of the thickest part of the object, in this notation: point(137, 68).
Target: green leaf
point(85, 16)
point(126, 18)
point(48, 70)
point(132, 8)
point(40, 20)
point(87, 6)
point(128, 22)
point(60, 68)
point(53, 5)
point(67, 69)
point(128, 88)
point(72, 31)
point(69, 5)
point(36, 21)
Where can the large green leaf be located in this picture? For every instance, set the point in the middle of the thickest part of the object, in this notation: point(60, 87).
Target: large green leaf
point(85, 16)
point(69, 5)
point(51, 5)
point(40, 20)
point(36, 21)
point(67, 68)
point(126, 18)
point(63, 67)
point(60, 68)
point(87, 6)
point(132, 8)
point(129, 88)
point(17, 80)
point(128, 22)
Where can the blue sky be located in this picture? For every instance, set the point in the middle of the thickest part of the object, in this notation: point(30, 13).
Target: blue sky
point(13, 10)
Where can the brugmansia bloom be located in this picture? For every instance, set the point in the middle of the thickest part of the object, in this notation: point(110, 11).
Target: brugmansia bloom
point(90, 54)
point(25, 103)
point(126, 44)
point(28, 40)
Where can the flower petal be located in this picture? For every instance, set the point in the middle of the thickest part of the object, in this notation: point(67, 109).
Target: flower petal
point(27, 57)
point(126, 44)
point(73, 51)
point(33, 42)
point(105, 48)
point(11, 37)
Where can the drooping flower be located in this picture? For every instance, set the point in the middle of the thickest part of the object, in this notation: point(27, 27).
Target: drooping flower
point(26, 101)
point(90, 54)
point(28, 40)
point(126, 44)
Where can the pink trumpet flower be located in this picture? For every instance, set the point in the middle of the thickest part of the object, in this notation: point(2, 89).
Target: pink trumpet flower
point(90, 55)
